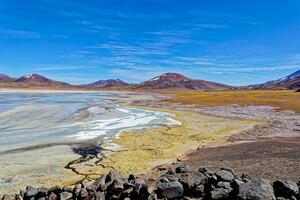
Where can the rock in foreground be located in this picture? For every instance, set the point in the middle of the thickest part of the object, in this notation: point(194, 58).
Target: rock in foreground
point(179, 184)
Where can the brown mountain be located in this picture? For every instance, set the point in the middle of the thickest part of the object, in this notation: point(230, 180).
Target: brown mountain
point(38, 80)
point(6, 79)
point(180, 82)
point(110, 83)
point(291, 82)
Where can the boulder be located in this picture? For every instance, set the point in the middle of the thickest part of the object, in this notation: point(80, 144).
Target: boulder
point(151, 187)
point(170, 190)
point(228, 169)
point(8, 197)
point(225, 185)
point(68, 189)
point(114, 175)
point(169, 177)
point(202, 169)
point(52, 196)
point(83, 194)
point(182, 169)
point(116, 189)
point(220, 193)
point(198, 191)
point(42, 192)
point(187, 181)
point(222, 190)
point(224, 175)
point(139, 185)
point(191, 180)
point(65, 196)
point(30, 192)
point(18, 197)
point(56, 190)
point(285, 189)
point(77, 189)
point(99, 184)
point(259, 189)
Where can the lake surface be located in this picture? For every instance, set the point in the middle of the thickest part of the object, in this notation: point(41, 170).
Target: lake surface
point(37, 131)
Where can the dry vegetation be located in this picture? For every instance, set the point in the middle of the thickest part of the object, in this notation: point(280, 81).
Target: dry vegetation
point(281, 99)
point(163, 145)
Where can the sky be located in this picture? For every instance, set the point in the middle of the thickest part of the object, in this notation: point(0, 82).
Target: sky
point(236, 42)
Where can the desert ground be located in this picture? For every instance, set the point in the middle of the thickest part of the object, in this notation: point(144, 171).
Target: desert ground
point(268, 149)
point(254, 132)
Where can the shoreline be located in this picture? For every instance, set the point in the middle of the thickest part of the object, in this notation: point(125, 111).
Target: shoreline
point(38, 157)
point(193, 115)
point(4, 90)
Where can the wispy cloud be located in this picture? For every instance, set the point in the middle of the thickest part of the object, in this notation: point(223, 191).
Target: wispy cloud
point(209, 26)
point(260, 69)
point(14, 33)
point(20, 33)
point(48, 68)
point(131, 49)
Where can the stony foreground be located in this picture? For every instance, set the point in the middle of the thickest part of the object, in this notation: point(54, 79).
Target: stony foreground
point(182, 183)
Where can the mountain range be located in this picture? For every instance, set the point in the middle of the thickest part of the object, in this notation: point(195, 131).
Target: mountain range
point(30, 80)
point(173, 81)
point(291, 82)
point(180, 82)
point(108, 83)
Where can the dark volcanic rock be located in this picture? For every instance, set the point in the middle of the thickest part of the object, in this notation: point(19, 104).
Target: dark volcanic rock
point(285, 189)
point(52, 196)
point(257, 189)
point(182, 169)
point(42, 192)
point(8, 197)
point(114, 175)
point(30, 192)
point(99, 184)
point(170, 190)
point(224, 175)
point(220, 193)
point(184, 183)
point(192, 180)
point(86, 150)
point(65, 196)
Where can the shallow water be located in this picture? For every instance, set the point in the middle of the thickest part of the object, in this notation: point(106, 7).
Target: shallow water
point(37, 130)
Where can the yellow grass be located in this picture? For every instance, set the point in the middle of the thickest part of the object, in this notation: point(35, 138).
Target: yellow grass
point(281, 99)
point(141, 151)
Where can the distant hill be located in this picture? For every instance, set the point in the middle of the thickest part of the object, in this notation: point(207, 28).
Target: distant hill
point(172, 81)
point(180, 82)
point(6, 79)
point(291, 82)
point(30, 81)
point(110, 83)
point(38, 80)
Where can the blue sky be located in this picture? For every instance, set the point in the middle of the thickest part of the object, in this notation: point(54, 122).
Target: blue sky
point(236, 42)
